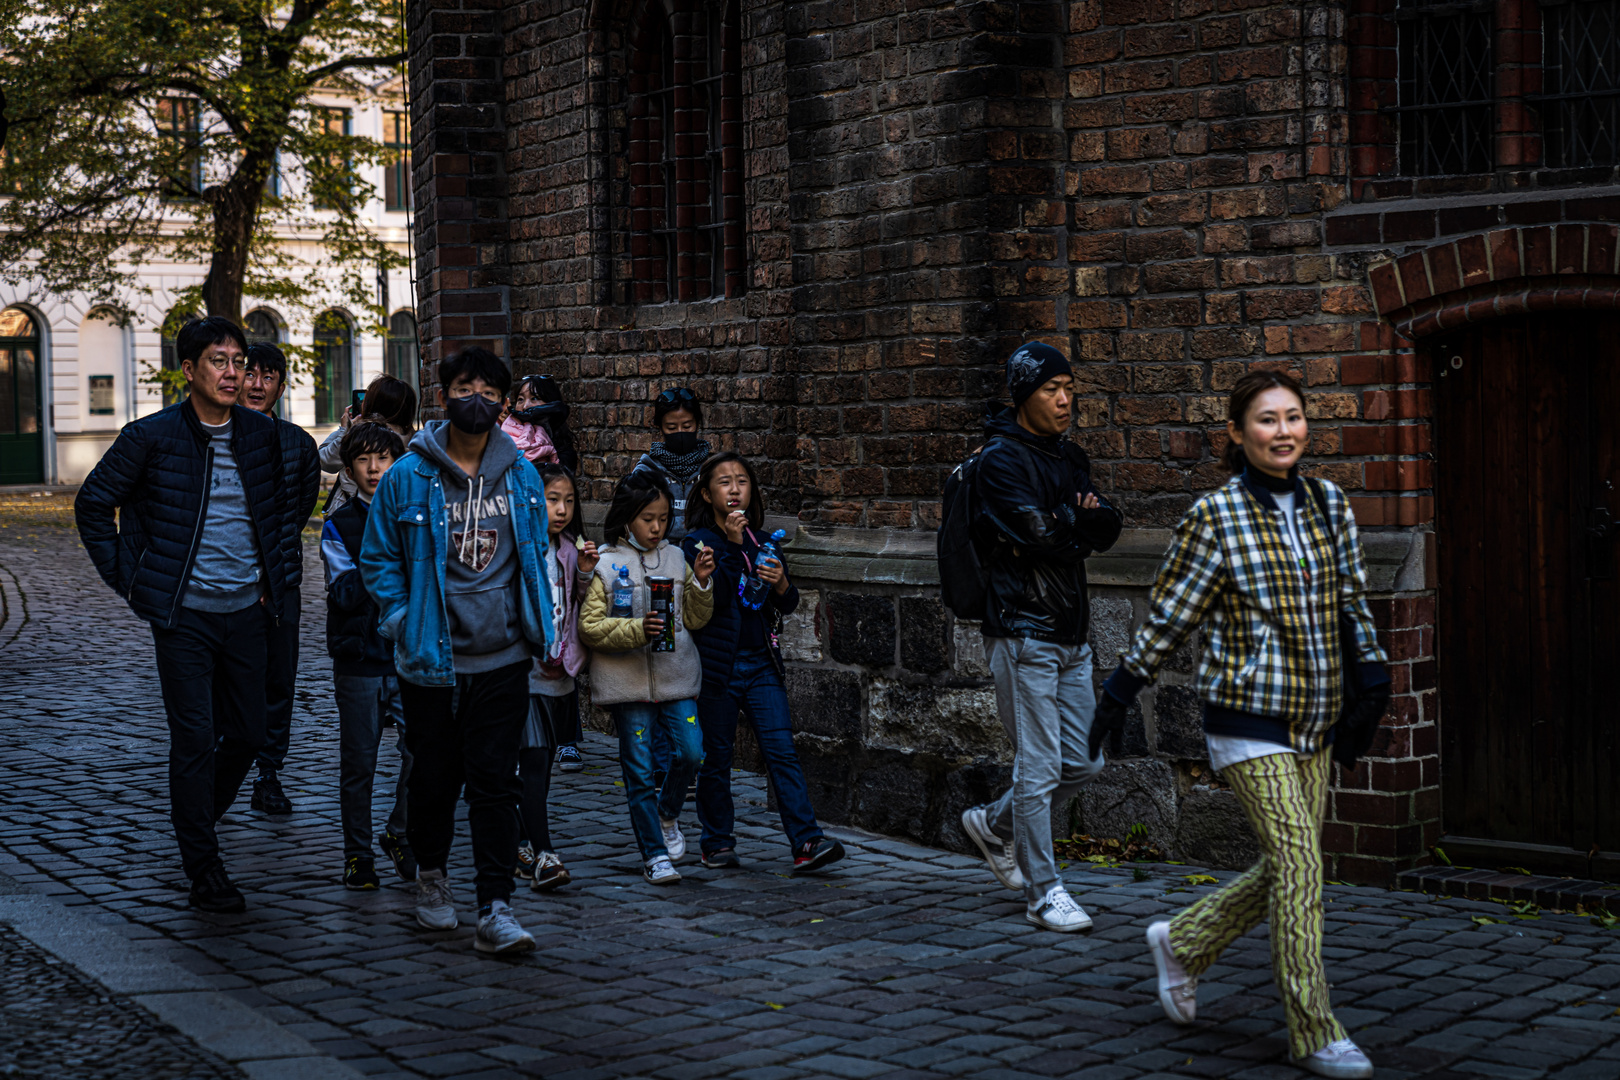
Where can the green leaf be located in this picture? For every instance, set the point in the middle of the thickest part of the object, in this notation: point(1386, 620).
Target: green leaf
point(1486, 920)
point(1201, 879)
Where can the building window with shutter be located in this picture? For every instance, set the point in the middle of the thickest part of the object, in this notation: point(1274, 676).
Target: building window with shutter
point(397, 174)
point(681, 212)
point(179, 120)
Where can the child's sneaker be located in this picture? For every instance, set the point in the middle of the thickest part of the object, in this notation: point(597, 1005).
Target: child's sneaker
point(660, 871)
point(399, 853)
point(568, 759)
point(499, 932)
point(815, 854)
point(674, 842)
point(724, 859)
point(549, 872)
point(360, 874)
point(524, 870)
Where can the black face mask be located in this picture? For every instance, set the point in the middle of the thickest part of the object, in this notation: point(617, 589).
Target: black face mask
point(681, 443)
point(473, 414)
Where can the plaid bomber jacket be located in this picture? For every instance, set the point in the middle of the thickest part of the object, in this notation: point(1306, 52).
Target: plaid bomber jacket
point(1271, 626)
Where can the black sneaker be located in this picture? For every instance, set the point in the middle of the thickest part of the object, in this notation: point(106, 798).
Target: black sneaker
point(268, 796)
point(212, 891)
point(724, 859)
point(815, 854)
point(360, 874)
point(568, 759)
point(524, 870)
point(400, 854)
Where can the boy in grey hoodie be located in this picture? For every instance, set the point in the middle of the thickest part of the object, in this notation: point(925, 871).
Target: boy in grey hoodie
point(453, 556)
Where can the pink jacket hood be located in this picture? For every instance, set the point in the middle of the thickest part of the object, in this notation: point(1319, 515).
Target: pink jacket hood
point(531, 439)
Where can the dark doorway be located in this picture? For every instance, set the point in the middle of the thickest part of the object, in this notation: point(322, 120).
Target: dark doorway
point(22, 428)
point(1526, 417)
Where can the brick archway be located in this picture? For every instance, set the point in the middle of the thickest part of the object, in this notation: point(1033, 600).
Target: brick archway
point(1509, 271)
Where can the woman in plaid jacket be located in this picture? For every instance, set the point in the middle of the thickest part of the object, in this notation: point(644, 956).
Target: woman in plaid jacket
point(1267, 574)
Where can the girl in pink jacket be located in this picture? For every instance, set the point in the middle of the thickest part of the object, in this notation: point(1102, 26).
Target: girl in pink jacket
point(532, 440)
point(553, 698)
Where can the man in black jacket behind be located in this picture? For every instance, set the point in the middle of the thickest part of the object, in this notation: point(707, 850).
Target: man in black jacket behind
point(1040, 517)
point(263, 385)
point(196, 550)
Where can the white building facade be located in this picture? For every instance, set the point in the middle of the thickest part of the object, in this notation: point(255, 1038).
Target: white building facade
point(72, 375)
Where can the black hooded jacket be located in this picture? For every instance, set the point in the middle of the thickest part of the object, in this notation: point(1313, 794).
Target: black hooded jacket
point(156, 476)
point(1033, 536)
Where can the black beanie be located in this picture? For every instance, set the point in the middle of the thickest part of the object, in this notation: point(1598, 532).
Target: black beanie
point(1031, 366)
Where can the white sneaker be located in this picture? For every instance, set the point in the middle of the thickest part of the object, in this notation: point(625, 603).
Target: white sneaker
point(1342, 1060)
point(976, 823)
point(660, 871)
point(674, 842)
point(1058, 911)
point(435, 903)
point(499, 932)
point(1178, 991)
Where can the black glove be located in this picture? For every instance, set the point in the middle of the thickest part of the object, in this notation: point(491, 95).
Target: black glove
point(1353, 735)
point(1109, 720)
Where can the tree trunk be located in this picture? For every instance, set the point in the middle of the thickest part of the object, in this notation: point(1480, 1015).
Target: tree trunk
point(236, 210)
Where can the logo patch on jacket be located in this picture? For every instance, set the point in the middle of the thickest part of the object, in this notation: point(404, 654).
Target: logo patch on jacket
point(476, 551)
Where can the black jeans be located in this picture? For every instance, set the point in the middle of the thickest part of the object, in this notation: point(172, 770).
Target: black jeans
point(534, 825)
point(280, 672)
point(467, 734)
point(211, 744)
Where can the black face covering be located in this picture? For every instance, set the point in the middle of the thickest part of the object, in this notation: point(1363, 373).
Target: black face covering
point(472, 414)
point(681, 442)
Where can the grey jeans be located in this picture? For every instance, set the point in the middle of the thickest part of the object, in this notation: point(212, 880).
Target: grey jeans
point(1045, 701)
point(363, 701)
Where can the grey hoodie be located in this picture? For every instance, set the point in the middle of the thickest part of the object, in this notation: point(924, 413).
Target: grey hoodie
point(481, 578)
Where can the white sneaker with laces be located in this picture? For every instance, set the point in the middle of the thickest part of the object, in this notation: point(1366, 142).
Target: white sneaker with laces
point(1058, 911)
point(1178, 991)
point(674, 842)
point(660, 871)
point(1342, 1060)
point(499, 932)
point(976, 823)
point(435, 903)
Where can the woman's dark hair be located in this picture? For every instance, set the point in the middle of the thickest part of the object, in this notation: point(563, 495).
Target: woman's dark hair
point(370, 435)
point(549, 471)
point(391, 399)
point(700, 511)
point(1242, 398)
point(631, 495)
point(475, 363)
point(676, 399)
point(198, 334)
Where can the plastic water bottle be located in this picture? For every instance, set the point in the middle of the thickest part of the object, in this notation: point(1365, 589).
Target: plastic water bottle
point(770, 552)
point(623, 594)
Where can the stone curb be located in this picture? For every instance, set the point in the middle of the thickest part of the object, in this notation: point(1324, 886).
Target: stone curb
point(215, 1021)
point(1564, 894)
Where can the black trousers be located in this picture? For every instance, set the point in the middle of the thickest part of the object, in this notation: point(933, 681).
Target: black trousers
point(211, 744)
point(280, 672)
point(467, 734)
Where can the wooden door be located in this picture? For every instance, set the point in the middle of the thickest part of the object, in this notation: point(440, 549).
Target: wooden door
point(1528, 642)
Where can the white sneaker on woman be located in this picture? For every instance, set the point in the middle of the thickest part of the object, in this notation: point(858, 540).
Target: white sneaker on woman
point(499, 932)
point(976, 823)
point(1058, 911)
point(1178, 991)
point(660, 871)
point(435, 903)
point(674, 842)
point(1342, 1060)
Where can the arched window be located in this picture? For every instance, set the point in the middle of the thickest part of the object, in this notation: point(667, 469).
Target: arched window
point(174, 389)
point(334, 349)
point(683, 211)
point(260, 326)
point(22, 435)
point(404, 361)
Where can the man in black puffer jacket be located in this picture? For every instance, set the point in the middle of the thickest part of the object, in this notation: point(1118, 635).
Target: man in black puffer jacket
point(264, 384)
point(1041, 516)
point(197, 551)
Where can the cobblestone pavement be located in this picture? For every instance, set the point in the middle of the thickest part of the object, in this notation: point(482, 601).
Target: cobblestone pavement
point(905, 962)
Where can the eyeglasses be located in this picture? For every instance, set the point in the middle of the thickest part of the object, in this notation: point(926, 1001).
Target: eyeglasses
point(680, 393)
point(225, 363)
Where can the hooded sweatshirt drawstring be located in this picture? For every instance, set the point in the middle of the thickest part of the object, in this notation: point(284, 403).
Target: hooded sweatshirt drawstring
point(470, 520)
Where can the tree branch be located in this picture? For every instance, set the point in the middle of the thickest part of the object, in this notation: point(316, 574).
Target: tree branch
point(317, 74)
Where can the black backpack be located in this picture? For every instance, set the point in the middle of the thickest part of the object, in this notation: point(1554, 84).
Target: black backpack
point(963, 582)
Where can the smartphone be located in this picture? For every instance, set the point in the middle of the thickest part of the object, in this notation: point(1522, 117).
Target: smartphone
point(358, 400)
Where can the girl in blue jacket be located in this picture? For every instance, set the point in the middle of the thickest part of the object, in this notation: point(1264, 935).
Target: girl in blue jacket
point(742, 667)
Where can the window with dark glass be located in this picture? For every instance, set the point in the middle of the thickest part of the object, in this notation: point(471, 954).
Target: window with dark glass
point(261, 326)
point(179, 120)
point(272, 183)
point(397, 174)
point(333, 121)
point(1445, 87)
point(334, 352)
point(1580, 103)
point(404, 361)
point(684, 206)
point(22, 444)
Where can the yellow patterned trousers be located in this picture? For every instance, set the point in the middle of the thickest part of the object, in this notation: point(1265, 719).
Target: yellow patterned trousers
point(1285, 797)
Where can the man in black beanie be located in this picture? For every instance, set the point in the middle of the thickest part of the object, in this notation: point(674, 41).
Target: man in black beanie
point(1041, 518)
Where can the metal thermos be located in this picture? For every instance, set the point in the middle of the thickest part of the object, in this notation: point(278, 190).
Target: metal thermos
point(663, 603)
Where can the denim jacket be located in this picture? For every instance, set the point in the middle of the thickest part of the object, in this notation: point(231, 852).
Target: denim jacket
point(402, 561)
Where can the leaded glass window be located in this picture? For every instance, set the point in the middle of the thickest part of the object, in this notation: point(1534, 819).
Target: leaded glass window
point(1580, 109)
point(1445, 90)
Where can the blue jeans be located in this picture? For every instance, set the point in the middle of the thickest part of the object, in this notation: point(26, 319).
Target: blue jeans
point(756, 689)
point(636, 721)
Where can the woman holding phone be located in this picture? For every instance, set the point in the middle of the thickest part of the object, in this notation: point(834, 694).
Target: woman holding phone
point(386, 399)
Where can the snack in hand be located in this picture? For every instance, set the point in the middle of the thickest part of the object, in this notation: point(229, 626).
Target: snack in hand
point(701, 547)
point(579, 543)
